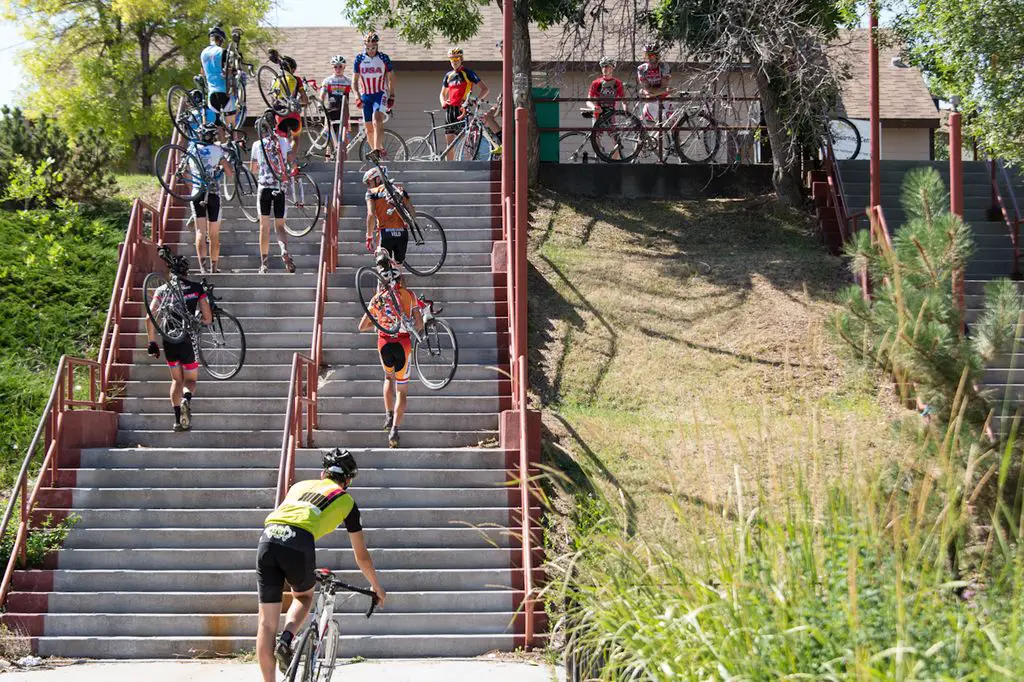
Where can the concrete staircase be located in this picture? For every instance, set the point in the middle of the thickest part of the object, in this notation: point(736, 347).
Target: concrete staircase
point(993, 253)
point(162, 562)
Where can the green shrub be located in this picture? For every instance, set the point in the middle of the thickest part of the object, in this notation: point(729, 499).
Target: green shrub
point(42, 540)
point(75, 169)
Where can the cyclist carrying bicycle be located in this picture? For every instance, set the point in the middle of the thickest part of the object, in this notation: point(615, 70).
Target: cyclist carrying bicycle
point(287, 551)
point(180, 356)
point(395, 351)
point(334, 92)
point(381, 215)
point(206, 205)
point(212, 59)
point(375, 88)
point(270, 193)
point(456, 91)
point(654, 76)
point(288, 87)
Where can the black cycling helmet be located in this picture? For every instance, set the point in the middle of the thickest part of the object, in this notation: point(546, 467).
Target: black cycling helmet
point(289, 64)
point(340, 466)
point(651, 48)
point(218, 32)
point(606, 61)
point(175, 263)
point(207, 135)
point(196, 96)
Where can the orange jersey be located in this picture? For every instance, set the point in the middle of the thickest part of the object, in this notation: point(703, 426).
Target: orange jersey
point(383, 310)
point(384, 210)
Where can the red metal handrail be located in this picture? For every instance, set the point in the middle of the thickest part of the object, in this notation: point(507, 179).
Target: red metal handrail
point(1013, 220)
point(50, 430)
point(303, 387)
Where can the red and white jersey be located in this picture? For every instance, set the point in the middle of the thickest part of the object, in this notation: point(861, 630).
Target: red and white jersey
point(372, 70)
point(652, 76)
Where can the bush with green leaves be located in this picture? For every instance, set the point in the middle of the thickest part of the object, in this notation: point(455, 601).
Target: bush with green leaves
point(911, 326)
point(42, 540)
point(75, 169)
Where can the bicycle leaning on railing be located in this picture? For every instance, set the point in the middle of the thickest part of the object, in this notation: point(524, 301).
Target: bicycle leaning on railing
point(435, 349)
point(428, 245)
point(316, 652)
point(219, 346)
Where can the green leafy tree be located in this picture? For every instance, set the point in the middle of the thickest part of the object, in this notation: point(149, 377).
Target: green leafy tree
point(109, 62)
point(911, 327)
point(974, 50)
point(422, 21)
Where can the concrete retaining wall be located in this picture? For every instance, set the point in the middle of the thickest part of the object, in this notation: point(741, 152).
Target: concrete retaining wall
point(643, 181)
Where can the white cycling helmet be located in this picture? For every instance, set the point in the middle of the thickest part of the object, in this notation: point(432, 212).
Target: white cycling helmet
point(337, 60)
point(374, 172)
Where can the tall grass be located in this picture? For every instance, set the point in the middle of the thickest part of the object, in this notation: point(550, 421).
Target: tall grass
point(904, 572)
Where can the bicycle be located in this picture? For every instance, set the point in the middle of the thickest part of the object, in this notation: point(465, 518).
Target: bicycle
point(323, 141)
point(428, 244)
point(316, 652)
point(235, 75)
point(219, 346)
point(302, 194)
point(435, 350)
point(597, 137)
point(466, 142)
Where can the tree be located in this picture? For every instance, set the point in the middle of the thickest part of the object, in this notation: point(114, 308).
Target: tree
point(421, 21)
point(783, 42)
point(972, 49)
point(109, 62)
point(912, 328)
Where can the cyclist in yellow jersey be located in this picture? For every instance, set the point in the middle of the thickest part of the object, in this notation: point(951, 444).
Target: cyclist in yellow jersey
point(287, 551)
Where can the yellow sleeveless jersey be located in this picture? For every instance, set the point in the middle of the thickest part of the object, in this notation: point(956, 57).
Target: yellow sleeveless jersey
point(317, 506)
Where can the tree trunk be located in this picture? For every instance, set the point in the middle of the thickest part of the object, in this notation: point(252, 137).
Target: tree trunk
point(142, 143)
point(522, 84)
point(785, 159)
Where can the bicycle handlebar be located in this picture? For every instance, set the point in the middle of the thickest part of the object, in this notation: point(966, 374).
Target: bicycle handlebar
point(335, 584)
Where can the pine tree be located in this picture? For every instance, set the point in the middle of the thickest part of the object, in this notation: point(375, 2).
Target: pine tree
point(912, 326)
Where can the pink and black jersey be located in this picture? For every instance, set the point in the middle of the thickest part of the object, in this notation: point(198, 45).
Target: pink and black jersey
point(652, 75)
point(372, 70)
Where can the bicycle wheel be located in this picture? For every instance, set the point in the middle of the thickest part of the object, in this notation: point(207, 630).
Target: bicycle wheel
point(845, 138)
point(165, 307)
point(436, 355)
point(428, 246)
point(700, 140)
point(188, 120)
point(378, 300)
point(395, 148)
point(470, 143)
point(246, 191)
point(185, 178)
point(327, 652)
point(570, 147)
point(265, 78)
point(302, 197)
point(314, 118)
point(222, 346)
point(420, 149)
point(305, 651)
point(622, 143)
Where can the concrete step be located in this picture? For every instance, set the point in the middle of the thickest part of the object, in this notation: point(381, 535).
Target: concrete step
point(220, 538)
point(250, 518)
point(269, 438)
point(367, 646)
point(307, 458)
point(336, 371)
point(245, 602)
point(245, 310)
point(892, 193)
point(370, 407)
point(177, 478)
point(371, 388)
point(419, 439)
point(225, 559)
point(413, 421)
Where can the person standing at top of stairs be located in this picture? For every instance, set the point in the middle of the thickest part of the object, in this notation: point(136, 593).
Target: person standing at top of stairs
point(271, 193)
point(395, 351)
point(287, 551)
point(181, 356)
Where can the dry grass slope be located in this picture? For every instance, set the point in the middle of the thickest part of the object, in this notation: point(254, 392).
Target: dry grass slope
point(680, 347)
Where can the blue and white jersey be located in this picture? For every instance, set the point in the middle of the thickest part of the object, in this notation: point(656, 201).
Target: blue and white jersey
point(210, 155)
point(372, 70)
point(212, 59)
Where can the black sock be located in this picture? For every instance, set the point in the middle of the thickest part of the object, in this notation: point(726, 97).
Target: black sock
point(177, 414)
point(286, 637)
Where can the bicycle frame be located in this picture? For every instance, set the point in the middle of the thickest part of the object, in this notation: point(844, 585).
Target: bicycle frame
point(399, 203)
point(471, 119)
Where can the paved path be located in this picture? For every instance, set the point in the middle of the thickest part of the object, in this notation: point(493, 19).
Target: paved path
point(223, 671)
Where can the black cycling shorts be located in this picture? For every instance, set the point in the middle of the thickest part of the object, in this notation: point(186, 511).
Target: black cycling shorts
point(207, 205)
point(180, 353)
point(284, 553)
point(451, 117)
point(393, 355)
point(272, 198)
point(219, 100)
point(396, 242)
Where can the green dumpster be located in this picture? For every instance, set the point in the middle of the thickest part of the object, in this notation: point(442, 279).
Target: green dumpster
point(547, 117)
